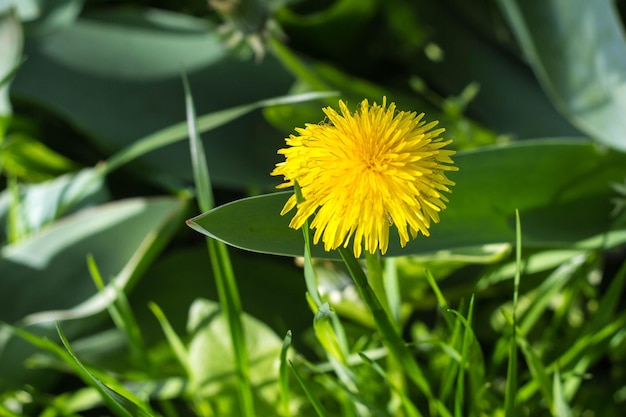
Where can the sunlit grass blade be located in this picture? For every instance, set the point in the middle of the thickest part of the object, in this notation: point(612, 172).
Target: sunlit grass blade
point(546, 291)
point(315, 402)
point(122, 316)
point(180, 131)
point(594, 338)
point(117, 403)
point(587, 349)
point(537, 370)
point(177, 345)
point(228, 292)
point(392, 289)
point(609, 302)
point(561, 408)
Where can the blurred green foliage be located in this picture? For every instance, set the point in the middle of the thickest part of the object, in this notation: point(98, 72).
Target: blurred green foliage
point(96, 175)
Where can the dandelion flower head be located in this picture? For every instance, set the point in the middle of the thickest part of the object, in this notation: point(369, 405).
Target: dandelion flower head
point(362, 172)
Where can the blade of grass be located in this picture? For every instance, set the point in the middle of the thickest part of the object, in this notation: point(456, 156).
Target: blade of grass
point(443, 304)
point(118, 404)
point(283, 377)
point(180, 131)
point(450, 373)
point(392, 289)
point(561, 409)
point(317, 405)
point(122, 316)
point(227, 290)
point(537, 369)
point(177, 345)
point(546, 291)
point(511, 375)
point(460, 385)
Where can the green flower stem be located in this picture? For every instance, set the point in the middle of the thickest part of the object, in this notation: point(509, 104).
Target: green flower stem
point(388, 332)
point(376, 281)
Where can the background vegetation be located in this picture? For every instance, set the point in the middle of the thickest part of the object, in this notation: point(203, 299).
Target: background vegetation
point(110, 304)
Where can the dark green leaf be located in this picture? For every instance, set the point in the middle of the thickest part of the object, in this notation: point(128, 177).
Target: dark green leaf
point(129, 61)
point(562, 189)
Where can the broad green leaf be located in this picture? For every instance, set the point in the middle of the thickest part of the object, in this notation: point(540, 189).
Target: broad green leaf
point(561, 187)
point(45, 278)
point(11, 52)
point(211, 352)
point(130, 60)
point(53, 15)
point(43, 203)
point(26, 9)
point(578, 52)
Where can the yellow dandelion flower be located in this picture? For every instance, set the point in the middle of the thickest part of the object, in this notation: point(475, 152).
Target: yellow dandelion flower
point(362, 173)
